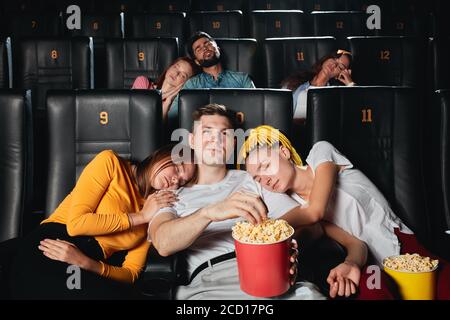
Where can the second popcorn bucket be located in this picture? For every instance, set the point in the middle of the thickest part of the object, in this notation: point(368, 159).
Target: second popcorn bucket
point(264, 266)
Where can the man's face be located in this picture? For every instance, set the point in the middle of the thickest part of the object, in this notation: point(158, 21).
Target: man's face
point(212, 140)
point(206, 52)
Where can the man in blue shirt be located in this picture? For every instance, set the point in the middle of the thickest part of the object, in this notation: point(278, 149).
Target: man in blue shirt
point(203, 49)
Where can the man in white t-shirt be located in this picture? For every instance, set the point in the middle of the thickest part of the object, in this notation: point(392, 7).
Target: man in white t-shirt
point(200, 222)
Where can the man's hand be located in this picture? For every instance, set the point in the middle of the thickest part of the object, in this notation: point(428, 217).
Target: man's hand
point(238, 204)
point(344, 279)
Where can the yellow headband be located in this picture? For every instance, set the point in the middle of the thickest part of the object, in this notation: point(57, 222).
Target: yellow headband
point(266, 136)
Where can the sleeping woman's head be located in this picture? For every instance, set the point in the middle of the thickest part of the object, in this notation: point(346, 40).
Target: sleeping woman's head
point(159, 171)
point(270, 159)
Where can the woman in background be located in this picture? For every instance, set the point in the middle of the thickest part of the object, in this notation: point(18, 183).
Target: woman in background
point(169, 82)
point(333, 69)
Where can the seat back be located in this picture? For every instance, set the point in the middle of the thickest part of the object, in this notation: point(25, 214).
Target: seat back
point(240, 55)
point(340, 25)
point(275, 5)
point(324, 5)
point(285, 56)
point(254, 106)
point(218, 24)
point(150, 25)
point(439, 65)
point(15, 173)
point(83, 123)
point(217, 5)
point(379, 130)
point(277, 23)
point(99, 27)
point(439, 164)
point(41, 64)
point(4, 66)
point(127, 59)
point(390, 61)
point(169, 6)
point(33, 24)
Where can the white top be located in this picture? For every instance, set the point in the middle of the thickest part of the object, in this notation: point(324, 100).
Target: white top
point(216, 239)
point(357, 206)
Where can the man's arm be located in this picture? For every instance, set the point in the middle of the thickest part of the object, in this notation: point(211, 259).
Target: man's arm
point(170, 234)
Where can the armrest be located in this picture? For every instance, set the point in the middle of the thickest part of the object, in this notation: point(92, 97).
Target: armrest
point(317, 260)
point(160, 275)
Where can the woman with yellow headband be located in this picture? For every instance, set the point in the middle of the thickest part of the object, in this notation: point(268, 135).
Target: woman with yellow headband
point(329, 189)
point(333, 69)
point(107, 211)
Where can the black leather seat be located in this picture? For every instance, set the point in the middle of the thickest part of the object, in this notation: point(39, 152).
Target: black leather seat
point(4, 67)
point(99, 27)
point(169, 6)
point(440, 18)
point(256, 106)
point(240, 55)
point(439, 65)
point(285, 56)
point(15, 162)
point(41, 64)
point(275, 5)
point(127, 59)
point(438, 165)
point(388, 60)
point(378, 129)
point(404, 24)
point(218, 24)
point(33, 24)
point(169, 25)
point(218, 5)
point(277, 23)
point(340, 25)
point(324, 5)
point(83, 123)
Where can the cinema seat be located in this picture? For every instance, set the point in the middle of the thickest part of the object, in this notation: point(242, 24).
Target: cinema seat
point(218, 24)
point(275, 5)
point(324, 5)
point(218, 5)
point(438, 164)
point(150, 25)
point(379, 130)
point(33, 24)
point(99, 27)
point(15, 162)
point(388, 60)
point(169, 6)
point(128, 59)
point(285, 56)
point(340, 25)
point(240, 55)
point(41, 64)
point(438, 63)
point(4, 66)
point(277, 23)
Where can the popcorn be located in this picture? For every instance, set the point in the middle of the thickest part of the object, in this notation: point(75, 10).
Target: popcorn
point(269, 231)
point(410, 263)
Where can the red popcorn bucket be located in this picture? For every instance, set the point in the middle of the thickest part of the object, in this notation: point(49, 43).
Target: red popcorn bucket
point(264, 268)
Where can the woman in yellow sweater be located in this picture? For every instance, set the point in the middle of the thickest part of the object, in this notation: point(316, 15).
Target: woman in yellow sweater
point(107, 212)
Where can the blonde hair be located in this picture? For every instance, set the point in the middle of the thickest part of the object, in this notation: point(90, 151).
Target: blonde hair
point(266, 136)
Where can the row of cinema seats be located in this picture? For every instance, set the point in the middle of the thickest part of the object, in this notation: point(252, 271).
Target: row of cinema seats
point(260, 24)
point(115, 6)
point(63, 63)
point(378, 128)
point(41, 64)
